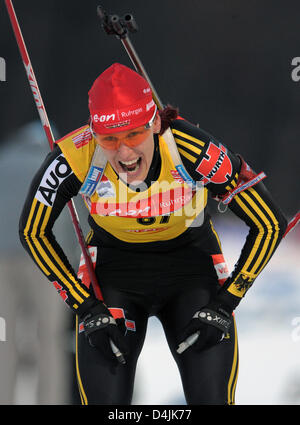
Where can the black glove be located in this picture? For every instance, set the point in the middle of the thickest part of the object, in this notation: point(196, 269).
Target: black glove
point(101, 328)
point(213, 321)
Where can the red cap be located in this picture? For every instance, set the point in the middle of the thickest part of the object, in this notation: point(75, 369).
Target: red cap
point(120, 99)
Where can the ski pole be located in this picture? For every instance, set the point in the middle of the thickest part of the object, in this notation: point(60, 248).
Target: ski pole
point(47, 128)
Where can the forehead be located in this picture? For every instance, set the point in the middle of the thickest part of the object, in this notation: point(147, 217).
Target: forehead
point(123, 133)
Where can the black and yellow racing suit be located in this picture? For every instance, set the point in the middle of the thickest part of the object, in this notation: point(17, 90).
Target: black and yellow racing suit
point(156, 252)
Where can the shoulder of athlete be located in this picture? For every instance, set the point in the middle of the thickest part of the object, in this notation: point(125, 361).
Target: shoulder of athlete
point(54, 176)
point(205, 158)
point(78, 148)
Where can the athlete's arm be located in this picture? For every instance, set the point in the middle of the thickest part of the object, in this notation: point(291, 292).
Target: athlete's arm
point(52, 187)
point(218, 168)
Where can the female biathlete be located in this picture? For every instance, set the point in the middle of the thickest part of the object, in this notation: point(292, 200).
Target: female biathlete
point(152, 241)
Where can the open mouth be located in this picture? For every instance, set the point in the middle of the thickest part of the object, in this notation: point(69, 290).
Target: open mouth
point(131, 167)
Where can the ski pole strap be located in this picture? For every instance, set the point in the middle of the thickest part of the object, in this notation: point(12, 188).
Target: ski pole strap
point(217, 319)
point(100, 321)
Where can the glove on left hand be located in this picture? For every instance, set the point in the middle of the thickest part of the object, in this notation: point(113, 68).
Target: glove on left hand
point(100, 327)
point(213, 322)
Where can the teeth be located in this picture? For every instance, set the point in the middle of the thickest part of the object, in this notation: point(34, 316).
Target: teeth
point(135, 169)
point(130, 162)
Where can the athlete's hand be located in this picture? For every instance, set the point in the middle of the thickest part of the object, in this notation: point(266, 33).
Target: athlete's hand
point(101, 328)
point(213, 322)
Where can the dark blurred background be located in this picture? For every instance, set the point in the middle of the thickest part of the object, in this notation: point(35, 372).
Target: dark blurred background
point(226, 64)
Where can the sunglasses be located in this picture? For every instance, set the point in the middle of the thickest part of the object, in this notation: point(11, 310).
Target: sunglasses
point(132, 138)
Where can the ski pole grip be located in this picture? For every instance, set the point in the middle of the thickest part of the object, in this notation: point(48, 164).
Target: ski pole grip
point(115, 25)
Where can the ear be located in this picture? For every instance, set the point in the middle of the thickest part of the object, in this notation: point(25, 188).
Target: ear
point(157, 124)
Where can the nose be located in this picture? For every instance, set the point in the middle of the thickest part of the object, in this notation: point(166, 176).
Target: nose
point(125, 151)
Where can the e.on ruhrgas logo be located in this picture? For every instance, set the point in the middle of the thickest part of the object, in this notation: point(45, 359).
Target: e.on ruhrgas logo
point(2, 69)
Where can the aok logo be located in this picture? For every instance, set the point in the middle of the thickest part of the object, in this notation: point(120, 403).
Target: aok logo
point(55, 174)
point(104, 118)
point(2, 69)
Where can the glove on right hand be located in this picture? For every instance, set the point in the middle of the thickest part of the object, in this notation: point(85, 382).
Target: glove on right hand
point(100, 327)
point(212, 321)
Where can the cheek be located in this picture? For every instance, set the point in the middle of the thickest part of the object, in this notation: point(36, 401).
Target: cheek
point(148, 150)
point(110, 155)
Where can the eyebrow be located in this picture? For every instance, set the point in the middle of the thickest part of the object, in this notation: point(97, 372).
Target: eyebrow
point(109, 138)
point(134, 131)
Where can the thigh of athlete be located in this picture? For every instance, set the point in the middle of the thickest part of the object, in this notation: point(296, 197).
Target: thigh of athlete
point(98, 381)
point(208, 376)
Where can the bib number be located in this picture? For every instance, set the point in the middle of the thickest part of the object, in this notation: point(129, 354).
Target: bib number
point(147, 221)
